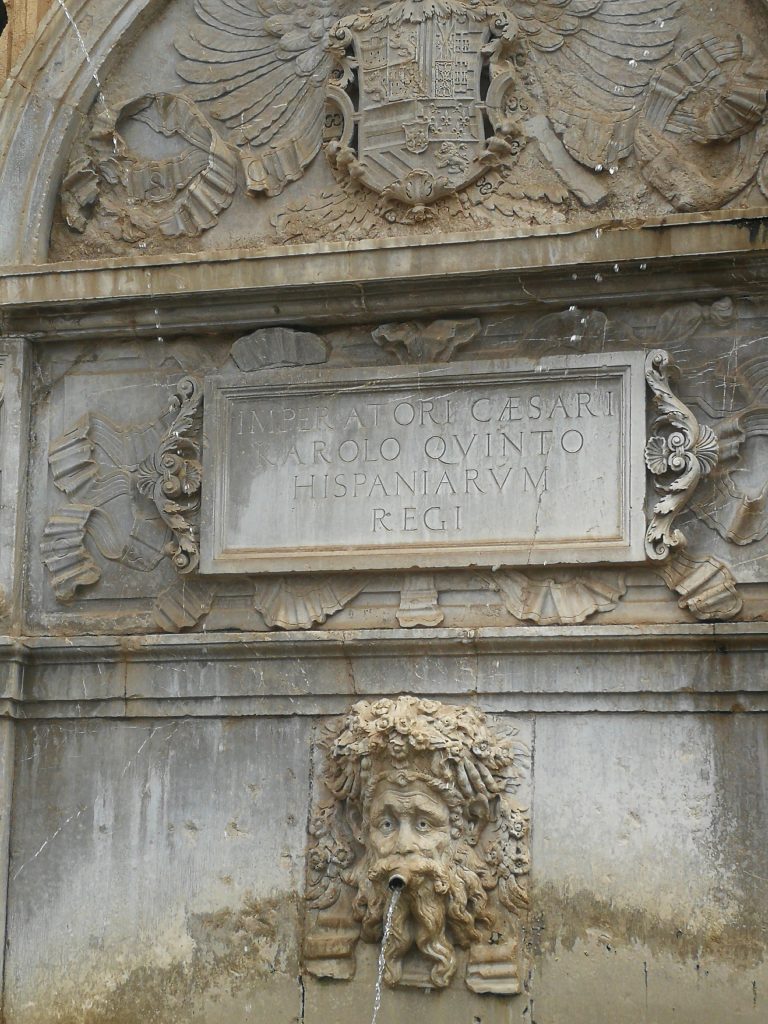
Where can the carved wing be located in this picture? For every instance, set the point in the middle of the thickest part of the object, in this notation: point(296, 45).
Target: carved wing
point(264, 66)
point(594, 59)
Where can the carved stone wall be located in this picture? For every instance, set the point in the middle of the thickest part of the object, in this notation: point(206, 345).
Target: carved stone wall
point(286, 615)
point(420, 845)
point(119, 541)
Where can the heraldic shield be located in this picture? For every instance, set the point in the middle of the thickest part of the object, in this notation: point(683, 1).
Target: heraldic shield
point(410, 113)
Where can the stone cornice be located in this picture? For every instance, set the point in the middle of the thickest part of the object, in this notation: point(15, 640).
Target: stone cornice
point(714, 255)
point(696, 668)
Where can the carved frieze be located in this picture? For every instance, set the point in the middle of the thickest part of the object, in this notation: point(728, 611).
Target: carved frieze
point(134, 490)
point(425, 798)
point(443, 90)
point(466, 113)
point(133, 495)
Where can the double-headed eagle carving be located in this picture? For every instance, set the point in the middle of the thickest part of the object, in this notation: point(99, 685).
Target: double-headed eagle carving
point(526, 108)
point(417, 99)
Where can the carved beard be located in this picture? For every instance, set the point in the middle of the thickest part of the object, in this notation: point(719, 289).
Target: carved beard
point(439, 895)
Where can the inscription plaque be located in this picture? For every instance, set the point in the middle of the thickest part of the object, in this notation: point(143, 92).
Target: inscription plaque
point(510, 462)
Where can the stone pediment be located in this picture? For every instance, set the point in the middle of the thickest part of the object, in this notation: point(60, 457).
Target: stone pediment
point(222, 125)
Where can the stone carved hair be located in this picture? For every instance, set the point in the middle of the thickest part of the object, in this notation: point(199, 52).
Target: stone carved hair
point(458, 879)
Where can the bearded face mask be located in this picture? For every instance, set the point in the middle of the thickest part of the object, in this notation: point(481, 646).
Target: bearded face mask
point(411, 844)
point(419, 794)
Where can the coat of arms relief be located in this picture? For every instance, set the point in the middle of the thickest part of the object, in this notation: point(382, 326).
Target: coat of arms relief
point(464, 111)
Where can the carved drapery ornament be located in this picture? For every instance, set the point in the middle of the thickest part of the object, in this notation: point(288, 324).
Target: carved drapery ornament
point(706, 586)
point(678, 458)
point(420, 795)
point(134, 197)
point(106, 470)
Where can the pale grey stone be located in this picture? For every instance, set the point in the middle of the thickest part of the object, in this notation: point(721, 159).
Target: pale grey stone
point(472, 464)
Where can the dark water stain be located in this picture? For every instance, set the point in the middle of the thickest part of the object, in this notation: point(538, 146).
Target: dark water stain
point(236, 951)
point(561, 919)
point(740, 834)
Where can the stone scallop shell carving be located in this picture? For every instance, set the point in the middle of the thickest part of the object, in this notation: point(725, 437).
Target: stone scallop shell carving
point(550, 602)
point(291, 604)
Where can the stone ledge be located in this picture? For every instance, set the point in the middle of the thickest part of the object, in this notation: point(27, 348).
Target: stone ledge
point(697, 668)
point(716, 254)
point(292, 643)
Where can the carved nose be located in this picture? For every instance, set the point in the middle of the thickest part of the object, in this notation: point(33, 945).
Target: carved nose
point(406, 840)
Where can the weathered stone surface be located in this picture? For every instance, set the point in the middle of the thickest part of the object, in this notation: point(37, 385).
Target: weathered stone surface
point(481, 464)
point(419, 843)
point(409, 192)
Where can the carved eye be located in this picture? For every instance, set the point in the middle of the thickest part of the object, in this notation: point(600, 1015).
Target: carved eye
point(423, 825)
point(386, 825)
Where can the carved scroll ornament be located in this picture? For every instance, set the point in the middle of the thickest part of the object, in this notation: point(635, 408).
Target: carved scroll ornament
point(172, 475)
point(419, 794)
point(678, 458)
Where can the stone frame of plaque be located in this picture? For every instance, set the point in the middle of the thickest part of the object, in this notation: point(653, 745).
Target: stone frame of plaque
point(483, 463)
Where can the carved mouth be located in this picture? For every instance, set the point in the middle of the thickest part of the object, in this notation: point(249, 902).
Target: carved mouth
point(396, 883)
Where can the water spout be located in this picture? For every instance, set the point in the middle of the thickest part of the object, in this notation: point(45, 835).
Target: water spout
point(396, 890)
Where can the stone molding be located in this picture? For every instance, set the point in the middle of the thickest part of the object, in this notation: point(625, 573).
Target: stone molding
point(38, 135)
point(360, 282)
point(14, 429)
point(24, 17)
point(581, 669)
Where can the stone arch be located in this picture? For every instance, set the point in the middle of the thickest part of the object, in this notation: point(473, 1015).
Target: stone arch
point(43, 105)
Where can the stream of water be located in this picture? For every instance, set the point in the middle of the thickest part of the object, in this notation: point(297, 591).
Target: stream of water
point(84, 48)
point(382, 953)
